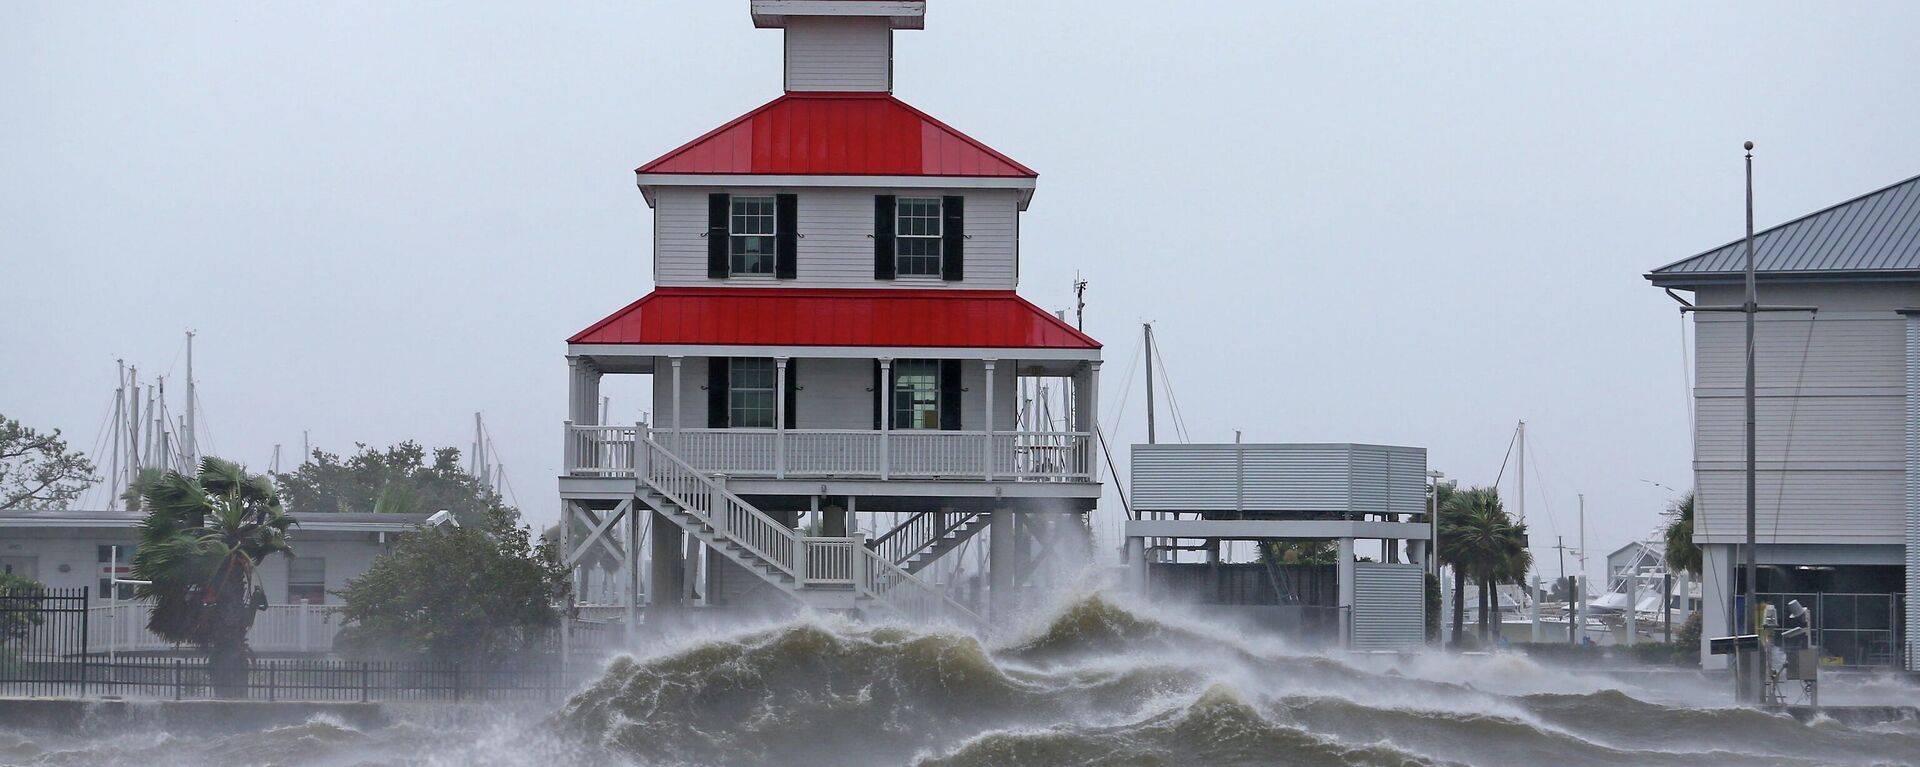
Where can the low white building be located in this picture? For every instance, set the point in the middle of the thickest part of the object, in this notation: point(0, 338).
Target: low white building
point(75, 549)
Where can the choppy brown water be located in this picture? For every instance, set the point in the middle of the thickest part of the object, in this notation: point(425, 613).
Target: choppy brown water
point(1093, 684)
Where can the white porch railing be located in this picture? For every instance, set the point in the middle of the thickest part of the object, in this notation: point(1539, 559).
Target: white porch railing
point(122, 627)
point(605, 451)
point(608, 451)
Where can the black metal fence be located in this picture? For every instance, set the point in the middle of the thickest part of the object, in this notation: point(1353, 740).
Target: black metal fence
point(44, 652)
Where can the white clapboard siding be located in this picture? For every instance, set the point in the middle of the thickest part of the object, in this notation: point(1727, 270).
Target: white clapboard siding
point(835, 249)
point(839, 54)
point(837, 394)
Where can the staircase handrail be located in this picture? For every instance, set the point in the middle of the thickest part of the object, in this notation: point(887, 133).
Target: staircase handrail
point(903, 592)
point(742, 522)
point(911, 549)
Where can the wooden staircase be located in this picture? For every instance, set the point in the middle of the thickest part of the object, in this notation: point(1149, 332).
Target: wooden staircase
point(925, 537)
point(833, 573)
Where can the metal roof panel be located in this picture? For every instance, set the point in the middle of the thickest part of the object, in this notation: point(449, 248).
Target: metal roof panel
point(837, 134)
point(998, 319)
point(1875, 233)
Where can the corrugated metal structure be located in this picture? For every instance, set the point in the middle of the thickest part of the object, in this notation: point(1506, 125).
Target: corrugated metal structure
point(1301, 478)
point(836, 134)
point(1389, 606)
point(1874, 235)
point(974, 319)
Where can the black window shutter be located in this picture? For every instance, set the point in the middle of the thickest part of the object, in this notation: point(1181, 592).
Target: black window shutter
point(883, 237)
point(949, 395)
point(879, 394)
point(719, 206)
point(786, 236)
point(953, 236)
point(717, 413)
point(791, 394)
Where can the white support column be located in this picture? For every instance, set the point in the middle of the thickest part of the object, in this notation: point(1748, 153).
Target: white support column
point(1087, 419)
point(1000, 564)
point(1344, 571)
point(677, 426)
point(1629, 620)
point(566, 615)
point(1536, 596)
point(780, 417)
point(632, 563)
point(1137, 565)
point(988, 466)
point(886, 415)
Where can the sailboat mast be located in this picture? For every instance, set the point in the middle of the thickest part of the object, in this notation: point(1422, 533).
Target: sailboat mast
point(1523, 472)
point(119, 415)
point(1147, 330)
point(189, 444)
point(133, 425)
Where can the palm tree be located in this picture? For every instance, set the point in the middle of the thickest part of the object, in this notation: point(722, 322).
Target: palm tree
point(1682, 552)
point(201, 544)
point(1479, 540)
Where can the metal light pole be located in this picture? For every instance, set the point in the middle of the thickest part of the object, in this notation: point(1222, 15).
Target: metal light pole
point(1751, 663)
point(1433, 549)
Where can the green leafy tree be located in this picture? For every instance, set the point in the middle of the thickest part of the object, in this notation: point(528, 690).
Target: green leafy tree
point(474, 595)
point(24, 595)
point(1301, 552)
point(143, 480)
point(201, 545)
point(1682, 552)
point(398, 479)
point(37, 470)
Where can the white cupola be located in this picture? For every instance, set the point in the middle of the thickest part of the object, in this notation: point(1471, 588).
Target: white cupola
point(839, 45)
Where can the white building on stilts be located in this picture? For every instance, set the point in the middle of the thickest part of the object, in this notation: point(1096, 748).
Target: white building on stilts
point(834, 343)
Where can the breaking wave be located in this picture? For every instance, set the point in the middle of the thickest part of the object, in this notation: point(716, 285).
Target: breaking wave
point(1096, 682)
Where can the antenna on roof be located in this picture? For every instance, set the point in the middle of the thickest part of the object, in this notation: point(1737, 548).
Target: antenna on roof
point(1079, 302)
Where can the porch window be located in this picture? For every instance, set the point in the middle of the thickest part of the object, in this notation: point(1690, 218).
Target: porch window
point(750, 235)
point(307, 580)
point(104, 554)
point(916, 393)
point(917, 236)
point(750, 392)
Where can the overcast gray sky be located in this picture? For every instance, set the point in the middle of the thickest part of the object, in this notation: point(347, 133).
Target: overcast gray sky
point(1350, 222)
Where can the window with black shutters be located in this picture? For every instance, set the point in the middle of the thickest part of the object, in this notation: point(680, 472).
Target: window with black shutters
point(750, 392)
point(750, 235)
point(916, 394)
point(917, 236)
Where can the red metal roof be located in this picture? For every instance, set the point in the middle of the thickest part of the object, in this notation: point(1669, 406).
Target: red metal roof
point(996, 319)
point(837, 134)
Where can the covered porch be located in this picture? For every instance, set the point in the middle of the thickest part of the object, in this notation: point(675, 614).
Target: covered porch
point(1017, 420)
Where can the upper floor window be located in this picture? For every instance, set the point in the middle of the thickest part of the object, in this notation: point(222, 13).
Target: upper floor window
point(750, 392)
point(918, 236)
point(753, 234)
point(750, 235)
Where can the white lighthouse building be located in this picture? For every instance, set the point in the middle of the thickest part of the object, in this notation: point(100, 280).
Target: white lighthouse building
point(835, 343)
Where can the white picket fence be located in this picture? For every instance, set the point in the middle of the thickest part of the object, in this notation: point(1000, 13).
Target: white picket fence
point(122, 627)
